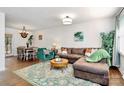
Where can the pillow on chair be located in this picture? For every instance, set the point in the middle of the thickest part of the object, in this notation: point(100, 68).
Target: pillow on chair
point(46, 52)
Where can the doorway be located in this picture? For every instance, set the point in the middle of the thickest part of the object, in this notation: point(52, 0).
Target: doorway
point(8, 44)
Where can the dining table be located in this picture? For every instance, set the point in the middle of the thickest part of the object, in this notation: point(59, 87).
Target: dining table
point(24, 53)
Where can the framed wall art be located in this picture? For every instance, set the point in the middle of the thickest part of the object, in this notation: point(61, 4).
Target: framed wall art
point(78, 36)
point(40, 37)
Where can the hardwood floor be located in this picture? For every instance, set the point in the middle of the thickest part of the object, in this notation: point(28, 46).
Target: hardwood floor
point(115, 77)
point(8, 78)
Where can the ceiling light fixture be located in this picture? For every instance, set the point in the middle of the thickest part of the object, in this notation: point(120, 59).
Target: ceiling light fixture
point(24, 33)
point(67, 20)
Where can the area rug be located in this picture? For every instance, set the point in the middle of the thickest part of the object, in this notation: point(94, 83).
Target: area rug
point(41, 75)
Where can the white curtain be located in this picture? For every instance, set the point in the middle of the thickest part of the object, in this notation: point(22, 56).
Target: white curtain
point(116, 55)
point(119, 38)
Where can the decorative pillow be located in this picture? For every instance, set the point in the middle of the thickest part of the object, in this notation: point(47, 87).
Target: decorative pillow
point(46, 51)
point(64, 52)
point(59, 51)
point(88, 52)
point(69, 50)
point(62, 49)
point(93, 50)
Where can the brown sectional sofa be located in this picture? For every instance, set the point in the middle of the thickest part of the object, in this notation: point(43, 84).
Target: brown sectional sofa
point(95, 72)
point(73, 54)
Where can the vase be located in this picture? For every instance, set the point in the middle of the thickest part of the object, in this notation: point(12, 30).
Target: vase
point(27, 45)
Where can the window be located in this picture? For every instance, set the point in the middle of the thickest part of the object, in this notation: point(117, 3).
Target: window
point(121, 33)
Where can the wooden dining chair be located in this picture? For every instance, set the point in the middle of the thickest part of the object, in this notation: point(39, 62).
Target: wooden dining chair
point(28, 54)
point(20, 53)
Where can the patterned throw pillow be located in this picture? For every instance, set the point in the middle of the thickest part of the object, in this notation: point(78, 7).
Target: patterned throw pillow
point(46, 52)
point(64, 52)
point(90, 51)
point(69, 50)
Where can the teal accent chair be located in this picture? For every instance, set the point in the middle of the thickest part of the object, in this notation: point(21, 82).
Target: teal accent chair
point(44, 57)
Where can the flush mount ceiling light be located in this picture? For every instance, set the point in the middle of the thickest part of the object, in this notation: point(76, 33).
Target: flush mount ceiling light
point(67, 20)
point(24, 33)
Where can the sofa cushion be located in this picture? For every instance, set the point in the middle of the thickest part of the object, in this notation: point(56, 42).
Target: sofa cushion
point(74, 56)
point(69, 50)
point(70, 56)
point(78, 51)
point(63, 56)
point(96, 68)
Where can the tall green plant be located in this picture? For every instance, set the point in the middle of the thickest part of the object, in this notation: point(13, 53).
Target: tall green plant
point(30, 39)
point(108, 41)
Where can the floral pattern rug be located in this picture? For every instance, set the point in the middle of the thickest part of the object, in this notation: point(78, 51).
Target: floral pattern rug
point(41, 75)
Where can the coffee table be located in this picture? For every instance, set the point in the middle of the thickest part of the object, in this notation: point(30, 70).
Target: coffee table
point(62, 64)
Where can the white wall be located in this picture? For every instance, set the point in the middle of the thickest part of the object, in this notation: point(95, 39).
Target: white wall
point(17, 40)
point(2, 41)
point(64, 35)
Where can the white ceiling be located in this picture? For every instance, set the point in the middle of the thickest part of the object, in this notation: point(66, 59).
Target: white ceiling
point(46, 17)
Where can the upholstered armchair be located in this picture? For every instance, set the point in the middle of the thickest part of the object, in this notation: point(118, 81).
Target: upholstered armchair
point(44, 54)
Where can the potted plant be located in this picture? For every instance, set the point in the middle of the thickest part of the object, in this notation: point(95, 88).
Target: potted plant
point(108, 41)
point(29, 42)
